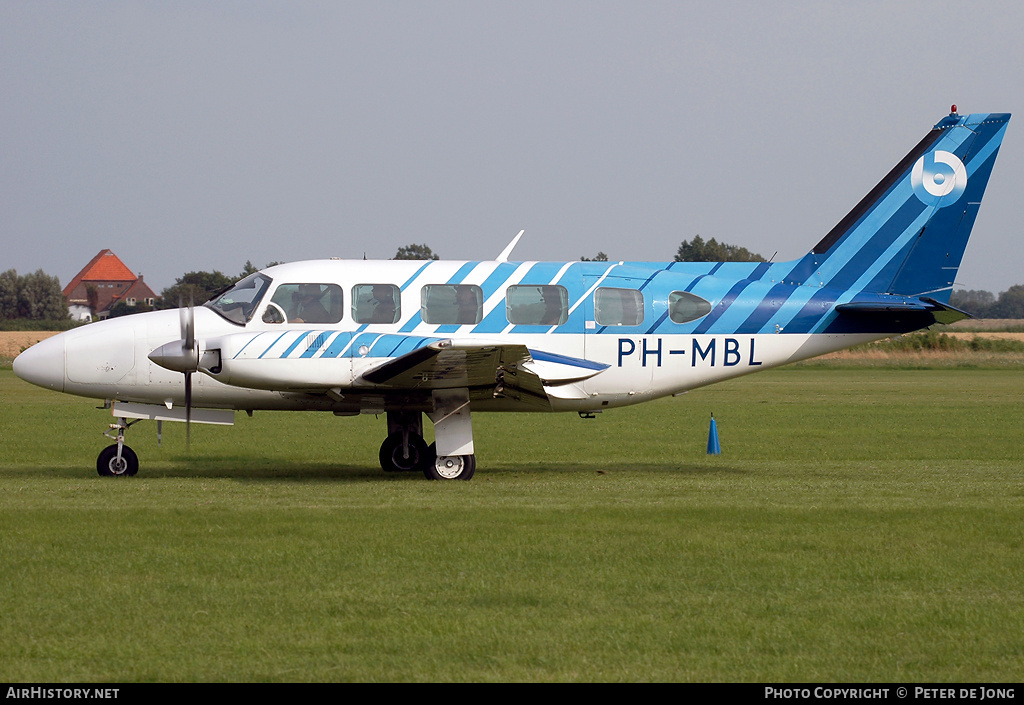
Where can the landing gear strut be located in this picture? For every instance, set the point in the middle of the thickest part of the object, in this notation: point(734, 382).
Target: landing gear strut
point(404, 450)
point(117, 459)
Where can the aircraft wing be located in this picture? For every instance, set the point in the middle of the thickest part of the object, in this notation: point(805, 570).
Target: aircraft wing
point(496, 369)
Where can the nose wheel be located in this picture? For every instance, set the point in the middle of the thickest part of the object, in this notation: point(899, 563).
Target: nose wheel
point(114, 461)
point(117, 459)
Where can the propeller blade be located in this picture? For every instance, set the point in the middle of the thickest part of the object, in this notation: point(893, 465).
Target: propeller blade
point(188, 411)
point(187, 317)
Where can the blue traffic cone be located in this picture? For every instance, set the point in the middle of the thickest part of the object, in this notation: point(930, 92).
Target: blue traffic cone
point(713, 447)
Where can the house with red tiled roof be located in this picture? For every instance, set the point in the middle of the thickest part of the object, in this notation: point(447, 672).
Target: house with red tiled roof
point(101, 284)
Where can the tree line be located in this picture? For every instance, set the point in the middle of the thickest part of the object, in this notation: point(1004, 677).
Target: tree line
point(39, 297)
point(985, 304)
point(36, 296)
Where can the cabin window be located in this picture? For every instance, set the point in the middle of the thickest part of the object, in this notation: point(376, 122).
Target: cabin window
point(684, 307)
point(305, 303)
point(376, 303)
point(455, 304)
point(618, 307)
point(545, 305)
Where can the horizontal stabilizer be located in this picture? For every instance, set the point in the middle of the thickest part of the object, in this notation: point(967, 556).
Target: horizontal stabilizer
point(923, 311)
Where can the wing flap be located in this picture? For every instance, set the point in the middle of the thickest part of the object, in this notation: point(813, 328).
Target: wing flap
point(487, 369)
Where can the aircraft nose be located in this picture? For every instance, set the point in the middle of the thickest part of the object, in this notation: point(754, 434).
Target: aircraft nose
point(43, 364)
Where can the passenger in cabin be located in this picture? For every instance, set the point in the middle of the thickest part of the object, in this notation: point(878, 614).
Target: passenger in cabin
point(308, 308)
point(469, 304)
point(383, 304)
point(552, 298)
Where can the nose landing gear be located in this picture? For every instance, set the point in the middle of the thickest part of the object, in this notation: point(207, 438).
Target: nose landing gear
point(117, 459)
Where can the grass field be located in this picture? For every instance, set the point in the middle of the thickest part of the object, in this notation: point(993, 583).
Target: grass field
point(861, 525)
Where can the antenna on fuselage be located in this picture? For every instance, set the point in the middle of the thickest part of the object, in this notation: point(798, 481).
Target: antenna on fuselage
point(503, 257)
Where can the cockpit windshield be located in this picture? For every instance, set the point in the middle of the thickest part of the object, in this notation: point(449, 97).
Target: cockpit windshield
point(238, 303)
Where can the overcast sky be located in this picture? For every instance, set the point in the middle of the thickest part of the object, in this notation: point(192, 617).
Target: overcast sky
point(198, 135)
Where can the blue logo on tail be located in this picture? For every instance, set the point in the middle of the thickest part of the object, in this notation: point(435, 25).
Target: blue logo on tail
point(939, 178)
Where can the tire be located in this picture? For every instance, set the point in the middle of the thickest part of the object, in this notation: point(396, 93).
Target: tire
point(451, 467)
point(392, 459)
point(108, 466)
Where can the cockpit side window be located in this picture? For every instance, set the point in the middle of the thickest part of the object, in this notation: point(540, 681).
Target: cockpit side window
point(376, 303)
point(238, 303)
point(305, 303)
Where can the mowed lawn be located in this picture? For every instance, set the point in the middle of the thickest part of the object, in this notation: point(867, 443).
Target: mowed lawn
point(861, 525)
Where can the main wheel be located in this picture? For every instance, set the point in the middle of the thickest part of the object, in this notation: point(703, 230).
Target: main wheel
point(451, 467)
point(108, 465)
point(395, 458)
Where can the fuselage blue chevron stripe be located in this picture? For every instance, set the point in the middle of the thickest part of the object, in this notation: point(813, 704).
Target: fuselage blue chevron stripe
point(247, 344)
point(757, 320)
point(463, 272)
point(410, 280)
point(338, 346)
point(747, 296)
point(269, 346)
point(726, 301)
point(315, 345)
point(295, 343)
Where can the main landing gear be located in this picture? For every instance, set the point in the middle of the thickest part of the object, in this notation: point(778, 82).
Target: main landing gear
point(117, 459)
point(404, 450)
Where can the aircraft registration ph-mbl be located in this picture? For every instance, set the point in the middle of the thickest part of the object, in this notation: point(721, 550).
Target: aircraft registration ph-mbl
point(449, 338)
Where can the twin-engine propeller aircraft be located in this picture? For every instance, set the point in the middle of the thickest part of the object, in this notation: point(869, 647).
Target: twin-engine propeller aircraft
point(446, 339)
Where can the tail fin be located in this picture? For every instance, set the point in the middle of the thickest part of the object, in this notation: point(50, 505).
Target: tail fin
point(908, 235)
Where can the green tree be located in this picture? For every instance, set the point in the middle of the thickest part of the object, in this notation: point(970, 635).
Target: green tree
point(40, 297)
point(10, 285)
point(122, 308)
point(976, 302)
point(415, 252)
point(195, 288)
point(1010, 303)
point(248, 269)
point(697, 250)
point(251, 268)
point(599, 257)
